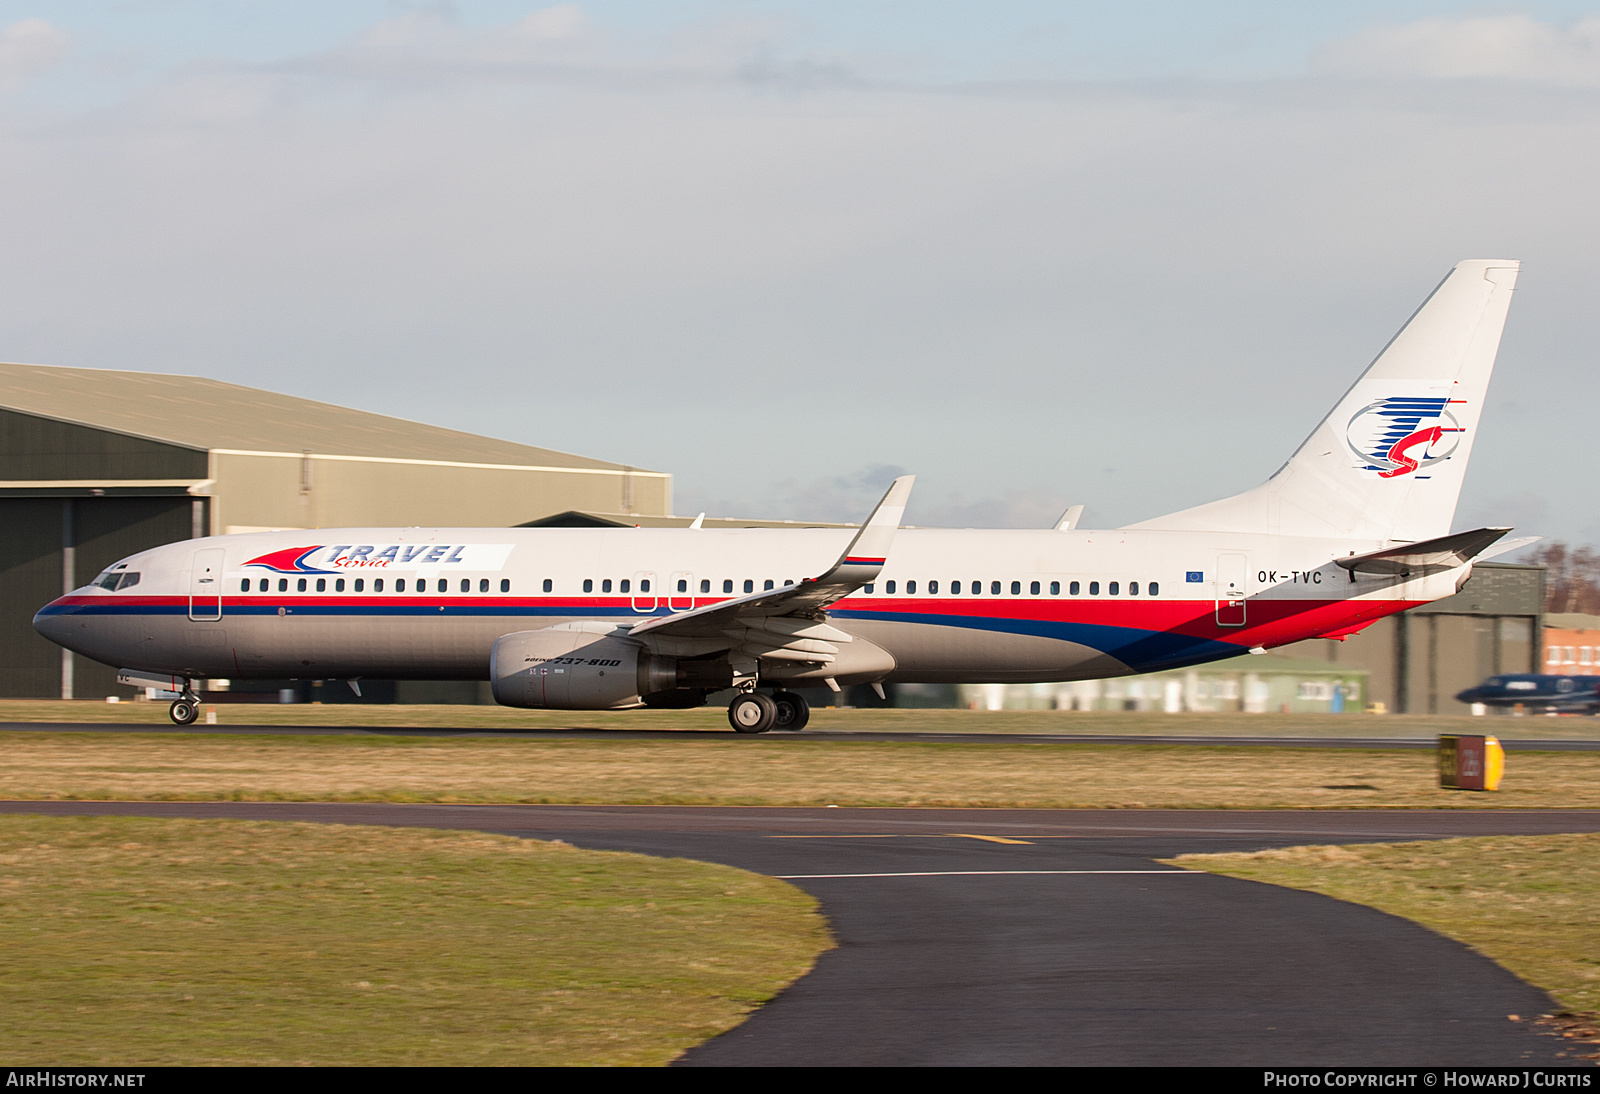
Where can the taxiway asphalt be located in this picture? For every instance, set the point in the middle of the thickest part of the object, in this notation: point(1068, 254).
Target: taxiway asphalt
point(1011, 936)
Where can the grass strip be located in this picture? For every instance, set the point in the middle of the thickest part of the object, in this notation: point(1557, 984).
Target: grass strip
point(439, 716)
point(1531, 903)
point(771, 769)
point(131, 941)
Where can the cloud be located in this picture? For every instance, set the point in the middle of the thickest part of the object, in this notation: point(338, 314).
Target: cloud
point(27, 49)
point(1515, 46)
point(636, 249)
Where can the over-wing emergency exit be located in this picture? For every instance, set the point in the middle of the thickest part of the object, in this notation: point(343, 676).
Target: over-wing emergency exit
point(1355, 526)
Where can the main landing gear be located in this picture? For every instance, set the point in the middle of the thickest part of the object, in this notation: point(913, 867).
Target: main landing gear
point(756, 712)
point(186, 707)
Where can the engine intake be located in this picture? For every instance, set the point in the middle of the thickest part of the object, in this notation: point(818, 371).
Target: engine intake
point(576, 666)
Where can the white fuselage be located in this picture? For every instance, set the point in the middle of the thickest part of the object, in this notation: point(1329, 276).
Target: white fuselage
point(948, 606)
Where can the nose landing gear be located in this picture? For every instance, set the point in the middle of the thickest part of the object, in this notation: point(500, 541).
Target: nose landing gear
point(186, 708)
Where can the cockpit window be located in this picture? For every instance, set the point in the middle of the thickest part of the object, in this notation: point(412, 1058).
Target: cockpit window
point(114, 581)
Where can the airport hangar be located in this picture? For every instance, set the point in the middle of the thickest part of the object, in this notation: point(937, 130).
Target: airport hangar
point(98, 464)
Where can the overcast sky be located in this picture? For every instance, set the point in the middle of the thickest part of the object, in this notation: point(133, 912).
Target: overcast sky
point(1038, 253)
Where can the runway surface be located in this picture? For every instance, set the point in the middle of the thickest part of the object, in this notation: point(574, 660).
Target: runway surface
point(1529, 745)
point(1012, 936)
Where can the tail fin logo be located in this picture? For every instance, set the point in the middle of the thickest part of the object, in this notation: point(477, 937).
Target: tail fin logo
point(1403, 434)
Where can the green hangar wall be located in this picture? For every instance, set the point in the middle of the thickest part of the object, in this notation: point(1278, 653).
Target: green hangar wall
point(97, 464)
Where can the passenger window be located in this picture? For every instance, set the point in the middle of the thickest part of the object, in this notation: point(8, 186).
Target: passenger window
point(422, 584)
point(549, 586)
point(749, 586)
point(787, 582)
point(399, 584)
point(262, 587)
point(283, 584)
point(300, 586)
point(683, 585)
point(605, 586)
point(994, 588)
point(483, 585)
point(1133, 588)
point(588, 584)
point(867, 588)
point(505, 584)
point(338, 585)
point(322, 584)
point(911, 587)
point(1055, 588)
point(955, 587)
point(1114, 588)
point(705, 585)
point(244, 586)
point(1094, 588)
point(644, 585)
point(933, 588)
point(361, 584)
point(1155, 588)
point(727, 585)
point(377, 585)
point(1033, 588)
point(767, 584)
point(1072, 589)
point(888, 587)
point(625, 585)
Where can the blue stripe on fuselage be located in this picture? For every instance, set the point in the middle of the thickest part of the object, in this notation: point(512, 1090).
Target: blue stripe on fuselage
point(1138, 648)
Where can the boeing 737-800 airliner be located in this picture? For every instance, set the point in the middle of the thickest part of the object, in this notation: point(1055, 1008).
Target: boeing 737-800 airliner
point(1354, 527)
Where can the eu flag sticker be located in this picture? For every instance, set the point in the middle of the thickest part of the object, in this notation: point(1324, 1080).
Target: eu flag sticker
point(1193, 576)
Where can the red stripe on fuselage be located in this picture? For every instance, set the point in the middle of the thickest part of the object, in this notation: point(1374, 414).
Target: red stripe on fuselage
point(1270, 622)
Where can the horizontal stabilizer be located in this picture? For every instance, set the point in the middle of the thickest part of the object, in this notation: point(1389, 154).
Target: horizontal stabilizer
point(1429, 556)
point(1506, 546)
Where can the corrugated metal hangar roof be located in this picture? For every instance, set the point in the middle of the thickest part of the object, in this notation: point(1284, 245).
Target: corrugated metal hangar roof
point(193, 412)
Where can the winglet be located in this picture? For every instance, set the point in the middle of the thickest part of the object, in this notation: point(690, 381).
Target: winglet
point(866, 554)
point(1069, 519)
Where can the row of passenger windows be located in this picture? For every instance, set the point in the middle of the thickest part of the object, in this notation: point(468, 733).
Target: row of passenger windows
point(359, 585)
point(975, 588)
point(891, 588)
point(625, 585)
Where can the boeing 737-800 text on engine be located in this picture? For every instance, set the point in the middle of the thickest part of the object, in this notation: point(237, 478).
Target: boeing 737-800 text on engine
point(1354, 527)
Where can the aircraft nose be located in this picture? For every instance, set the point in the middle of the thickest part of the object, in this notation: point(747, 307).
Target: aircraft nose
point(52, 622)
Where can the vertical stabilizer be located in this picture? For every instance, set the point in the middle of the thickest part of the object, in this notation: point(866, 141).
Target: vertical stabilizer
point(1388, 461)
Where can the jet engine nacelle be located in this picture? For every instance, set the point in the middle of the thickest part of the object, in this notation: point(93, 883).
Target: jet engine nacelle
point(575, 666)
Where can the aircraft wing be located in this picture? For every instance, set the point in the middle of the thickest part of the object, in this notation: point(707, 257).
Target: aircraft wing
point(797, 610)
point(1426, 556)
